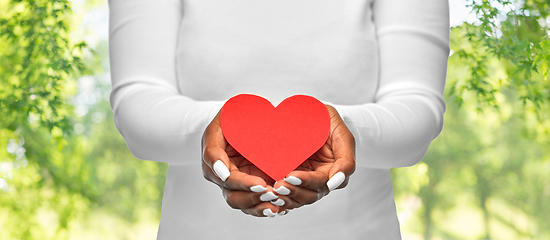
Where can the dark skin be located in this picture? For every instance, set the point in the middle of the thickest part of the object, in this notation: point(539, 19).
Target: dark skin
point(336, 155)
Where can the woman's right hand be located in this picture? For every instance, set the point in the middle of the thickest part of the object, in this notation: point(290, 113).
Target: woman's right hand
point(243, 185)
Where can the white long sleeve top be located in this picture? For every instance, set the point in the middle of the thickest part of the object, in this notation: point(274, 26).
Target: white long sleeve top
point(380, 63)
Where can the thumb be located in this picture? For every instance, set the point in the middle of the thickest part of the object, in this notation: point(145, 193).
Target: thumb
point(213, 149)
point(343, 148)
point(219, 162)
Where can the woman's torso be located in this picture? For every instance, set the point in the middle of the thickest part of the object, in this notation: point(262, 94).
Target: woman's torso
point(323, 48)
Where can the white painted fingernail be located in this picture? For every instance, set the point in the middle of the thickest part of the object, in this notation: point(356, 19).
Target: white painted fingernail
point(268, 213)
point(282, 190)
point(258, 188)
point(268, 196)
point(221, 170)
point(282, 213)
point(335, 181)
point(279, 202)
point(293, 180)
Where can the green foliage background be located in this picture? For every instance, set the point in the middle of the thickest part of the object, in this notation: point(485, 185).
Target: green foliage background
point(66, 173)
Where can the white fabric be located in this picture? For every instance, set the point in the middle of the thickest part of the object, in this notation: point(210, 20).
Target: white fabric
point(380, 63)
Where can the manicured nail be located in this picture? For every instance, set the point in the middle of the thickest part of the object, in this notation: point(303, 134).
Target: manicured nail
point(282, 213)
point(282, 190)
point(279, 202)
point(258, 188)
point(293, 180)
point(268, 196)
point(335, 181)
point(221, 170)
point(268, 213)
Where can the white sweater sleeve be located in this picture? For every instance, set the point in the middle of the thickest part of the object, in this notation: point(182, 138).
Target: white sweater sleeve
point(396, 130)
point(156, 121)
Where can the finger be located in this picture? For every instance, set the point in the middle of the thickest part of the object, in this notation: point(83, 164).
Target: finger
point(338, 180)
point(285, 202)
point(343, 145)
point(265, 209)
point(296, 196)
point(240, 181)
point(244, 199)
point(209, 175)
point(217, 161)
point(289, 203)
point(220, 169)
point(312, 180)
point(213, 149)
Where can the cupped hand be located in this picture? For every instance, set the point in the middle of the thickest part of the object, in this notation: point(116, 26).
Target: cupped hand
point(243, 185)
point(328, 169)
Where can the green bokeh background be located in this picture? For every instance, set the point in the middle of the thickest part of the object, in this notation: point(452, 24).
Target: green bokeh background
point(66, 173)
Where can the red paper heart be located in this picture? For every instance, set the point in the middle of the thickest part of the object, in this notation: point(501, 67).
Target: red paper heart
point(275, 139)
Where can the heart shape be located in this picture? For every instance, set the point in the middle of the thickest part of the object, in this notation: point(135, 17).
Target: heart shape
point(275, 139)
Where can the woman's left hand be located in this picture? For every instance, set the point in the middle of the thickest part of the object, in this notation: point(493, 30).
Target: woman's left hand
point(328, 169)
